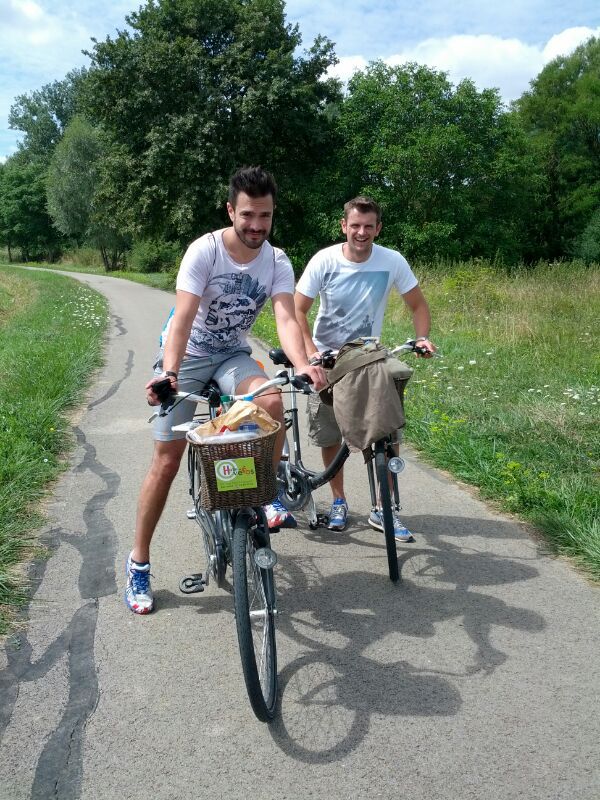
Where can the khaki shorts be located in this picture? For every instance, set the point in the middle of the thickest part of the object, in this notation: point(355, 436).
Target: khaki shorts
point(227, 369)
point(323, 429)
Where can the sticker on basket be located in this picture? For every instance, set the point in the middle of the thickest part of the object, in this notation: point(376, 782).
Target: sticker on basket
point(235, 473)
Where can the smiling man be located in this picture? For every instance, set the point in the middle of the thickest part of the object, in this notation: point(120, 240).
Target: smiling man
point(224, 280)
point(353, 281)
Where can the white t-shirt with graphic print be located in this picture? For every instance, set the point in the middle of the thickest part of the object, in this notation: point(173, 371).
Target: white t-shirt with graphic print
point(353, 295)
point(232, 294)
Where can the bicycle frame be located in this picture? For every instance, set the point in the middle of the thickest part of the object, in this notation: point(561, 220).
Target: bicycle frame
point(299, 481)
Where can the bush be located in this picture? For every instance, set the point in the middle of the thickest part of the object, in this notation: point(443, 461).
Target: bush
point(153, 255)
point(588, 245)
point(84, 257)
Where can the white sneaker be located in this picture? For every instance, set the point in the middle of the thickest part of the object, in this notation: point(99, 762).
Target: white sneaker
point(138, 592)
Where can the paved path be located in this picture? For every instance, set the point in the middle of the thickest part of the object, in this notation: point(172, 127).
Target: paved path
point(477, 676)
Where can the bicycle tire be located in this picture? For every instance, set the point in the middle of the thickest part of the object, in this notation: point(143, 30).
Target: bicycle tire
point(254, 602)
point(387, 518)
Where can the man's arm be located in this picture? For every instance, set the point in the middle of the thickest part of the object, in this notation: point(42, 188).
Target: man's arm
point(291, 339)
point(303, 305)
point(186, 307)
point(421, 316)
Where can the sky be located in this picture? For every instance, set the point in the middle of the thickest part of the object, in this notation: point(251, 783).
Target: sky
point(496, 44)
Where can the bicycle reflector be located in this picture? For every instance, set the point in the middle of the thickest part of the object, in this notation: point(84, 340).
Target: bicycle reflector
point(396, 464)
point(265, 558)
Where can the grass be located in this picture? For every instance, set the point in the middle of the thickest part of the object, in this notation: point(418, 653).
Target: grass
point(51, 333)
point(513, 406)
point(158, 280)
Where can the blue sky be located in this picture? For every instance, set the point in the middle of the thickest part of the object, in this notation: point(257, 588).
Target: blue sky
point(496, 44)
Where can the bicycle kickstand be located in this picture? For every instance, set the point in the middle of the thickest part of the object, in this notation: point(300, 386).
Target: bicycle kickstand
point(316, 520)
point(192, 583)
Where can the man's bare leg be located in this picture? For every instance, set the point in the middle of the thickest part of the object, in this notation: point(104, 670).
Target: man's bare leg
point(336, 484)
point(271, 402)
point(153, 494)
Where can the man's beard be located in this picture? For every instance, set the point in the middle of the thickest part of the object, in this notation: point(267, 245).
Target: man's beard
point(253, 244)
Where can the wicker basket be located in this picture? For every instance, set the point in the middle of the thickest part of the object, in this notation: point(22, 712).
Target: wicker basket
point(214, 492)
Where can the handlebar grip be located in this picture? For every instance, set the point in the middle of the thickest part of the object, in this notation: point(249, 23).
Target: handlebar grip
point(164, 391)
point(302, 382)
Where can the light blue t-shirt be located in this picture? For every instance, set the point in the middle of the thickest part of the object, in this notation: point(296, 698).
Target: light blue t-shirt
point(353, 295)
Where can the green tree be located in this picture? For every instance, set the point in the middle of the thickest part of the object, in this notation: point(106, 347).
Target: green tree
point(588, 245)
point(43, 115)
point(561, 113)
point(74, 204)
point(196, 89)
point(24, 220)
point(452, 170)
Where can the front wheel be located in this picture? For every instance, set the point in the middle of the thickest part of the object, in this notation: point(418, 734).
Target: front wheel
point(387, 518)
point(254, 601)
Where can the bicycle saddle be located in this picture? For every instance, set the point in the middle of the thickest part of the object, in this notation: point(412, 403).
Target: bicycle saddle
point(278, 356)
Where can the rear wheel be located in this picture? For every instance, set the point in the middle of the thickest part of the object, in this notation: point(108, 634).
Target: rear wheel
point(254, 600)
point(387, 518)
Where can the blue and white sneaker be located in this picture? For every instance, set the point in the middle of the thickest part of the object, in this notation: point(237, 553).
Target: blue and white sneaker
point(338, 516)
point(401, 533)
point(278, 516)
point(138, 593)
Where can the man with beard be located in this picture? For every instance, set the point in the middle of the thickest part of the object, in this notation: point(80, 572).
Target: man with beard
point(235, 266)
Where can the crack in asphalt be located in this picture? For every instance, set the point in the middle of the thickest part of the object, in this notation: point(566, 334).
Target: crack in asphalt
point(115, 386)
point(59, 769)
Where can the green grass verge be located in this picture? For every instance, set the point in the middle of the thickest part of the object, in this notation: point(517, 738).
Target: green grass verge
point(513, 406)
point(159, 280)
point(51, 333)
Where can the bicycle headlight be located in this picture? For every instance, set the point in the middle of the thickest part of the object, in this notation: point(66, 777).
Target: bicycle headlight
point(265, 558)
point(396, 464)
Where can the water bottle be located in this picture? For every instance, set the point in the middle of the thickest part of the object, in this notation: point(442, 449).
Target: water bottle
point(249, 427)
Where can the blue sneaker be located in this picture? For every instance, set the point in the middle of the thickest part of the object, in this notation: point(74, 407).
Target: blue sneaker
point(401, 533)
point(338, 516)
point(278, 516)
point(138, 593)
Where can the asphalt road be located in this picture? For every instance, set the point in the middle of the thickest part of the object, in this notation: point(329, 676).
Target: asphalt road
point(477, 676)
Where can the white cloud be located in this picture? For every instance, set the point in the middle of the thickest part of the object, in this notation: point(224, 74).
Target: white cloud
point(564, 43)
point(490, 61)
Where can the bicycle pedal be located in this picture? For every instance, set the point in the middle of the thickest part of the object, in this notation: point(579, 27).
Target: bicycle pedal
point(192, 583)
point(191, 513)
point(322, 522)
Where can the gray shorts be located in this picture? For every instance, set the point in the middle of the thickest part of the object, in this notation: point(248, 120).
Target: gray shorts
point(323, 429)
point(227, 369)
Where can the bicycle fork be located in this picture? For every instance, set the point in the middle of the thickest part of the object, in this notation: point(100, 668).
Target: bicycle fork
point(395, 466)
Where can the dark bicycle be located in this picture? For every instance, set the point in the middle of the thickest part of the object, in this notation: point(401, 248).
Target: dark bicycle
point(235, 534)
point(297, 482)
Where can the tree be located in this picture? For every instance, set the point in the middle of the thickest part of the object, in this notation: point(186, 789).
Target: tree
point(197, 89)
point(43, 115)
point(74, 204)
point(561, 113)
point(451, 169)
point(24, 219)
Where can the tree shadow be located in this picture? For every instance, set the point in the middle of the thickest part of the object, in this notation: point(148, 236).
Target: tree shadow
point(352, 628)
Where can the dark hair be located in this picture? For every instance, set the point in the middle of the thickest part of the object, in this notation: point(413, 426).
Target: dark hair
point(253, 181)
point(364, 204)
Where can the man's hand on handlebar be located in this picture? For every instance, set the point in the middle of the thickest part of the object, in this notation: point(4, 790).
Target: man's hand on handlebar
point(315, 373)
point(424, 348)
point(161, 390)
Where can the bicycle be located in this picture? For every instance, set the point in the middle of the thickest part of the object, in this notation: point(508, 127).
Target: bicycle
point(236, 535)
point(297, 482)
